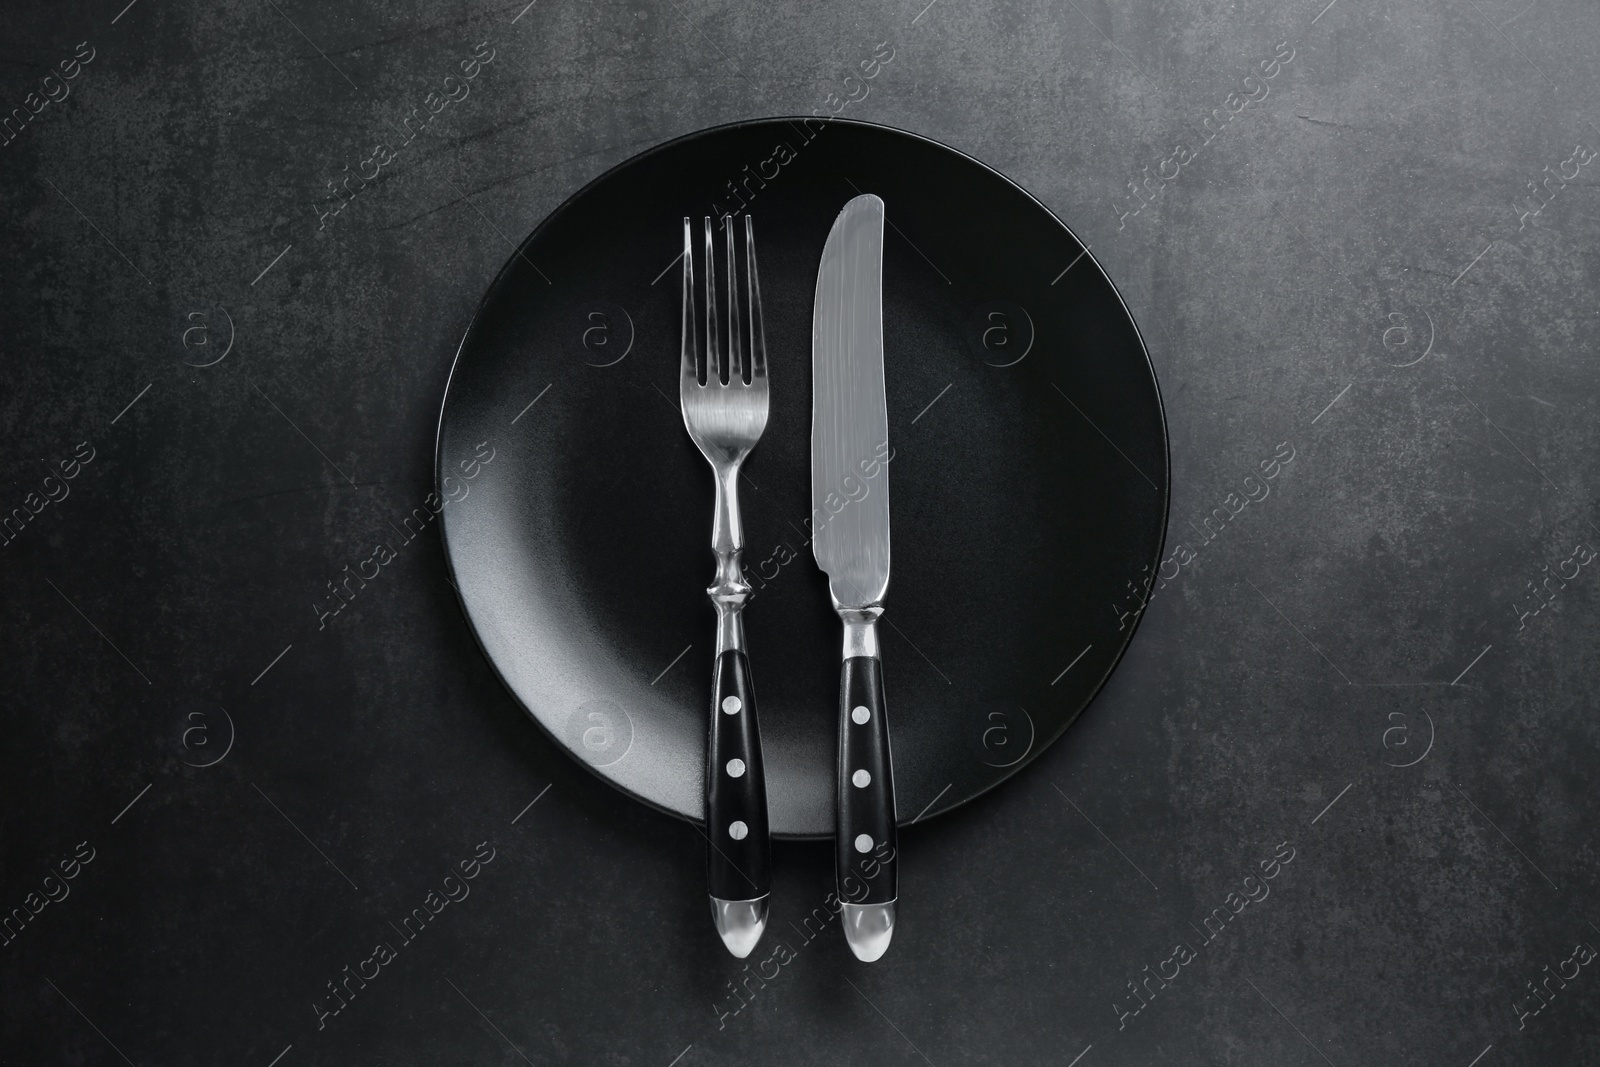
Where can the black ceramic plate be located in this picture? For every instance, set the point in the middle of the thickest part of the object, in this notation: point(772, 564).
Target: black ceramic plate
point(1029, 478)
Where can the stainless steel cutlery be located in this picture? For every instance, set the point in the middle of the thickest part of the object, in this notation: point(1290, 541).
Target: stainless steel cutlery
point(850, 538)
point(725, 411)
point(723, 392)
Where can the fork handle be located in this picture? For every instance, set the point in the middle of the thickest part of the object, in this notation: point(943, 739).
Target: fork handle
point(739, 860)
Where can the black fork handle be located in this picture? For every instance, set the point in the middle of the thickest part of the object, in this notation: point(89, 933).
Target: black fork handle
point(739, 859)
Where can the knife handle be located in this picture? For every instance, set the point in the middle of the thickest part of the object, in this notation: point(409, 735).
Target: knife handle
point(864, 828)
point(739, 859)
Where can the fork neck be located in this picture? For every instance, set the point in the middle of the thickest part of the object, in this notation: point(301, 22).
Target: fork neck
point(727, 528)
point(728, 591)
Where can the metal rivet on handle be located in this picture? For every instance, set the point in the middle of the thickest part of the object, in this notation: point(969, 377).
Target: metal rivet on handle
point(863, 842)
point(738, 831)
point(731, 705)
point(736, 768)
point(861, 779)
point(860, 715)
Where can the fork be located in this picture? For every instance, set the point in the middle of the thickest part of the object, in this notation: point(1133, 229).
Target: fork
point(725, 417)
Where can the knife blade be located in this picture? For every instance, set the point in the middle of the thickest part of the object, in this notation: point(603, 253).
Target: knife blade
point(850, 539)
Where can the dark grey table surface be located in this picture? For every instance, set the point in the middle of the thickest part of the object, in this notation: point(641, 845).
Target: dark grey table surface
point(1374, 685)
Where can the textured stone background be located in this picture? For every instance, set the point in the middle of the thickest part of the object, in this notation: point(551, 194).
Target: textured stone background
point(1354, 667)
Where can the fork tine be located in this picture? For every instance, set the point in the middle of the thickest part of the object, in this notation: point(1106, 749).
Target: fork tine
point(735, 322)
point(758, 333)
point(688, 371)
point(713, 358)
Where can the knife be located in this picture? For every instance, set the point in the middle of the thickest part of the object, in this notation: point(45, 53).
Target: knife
point(850, 539)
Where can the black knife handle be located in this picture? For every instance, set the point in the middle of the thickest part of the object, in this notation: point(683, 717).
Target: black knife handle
point(739, 859)
point(864, 826)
